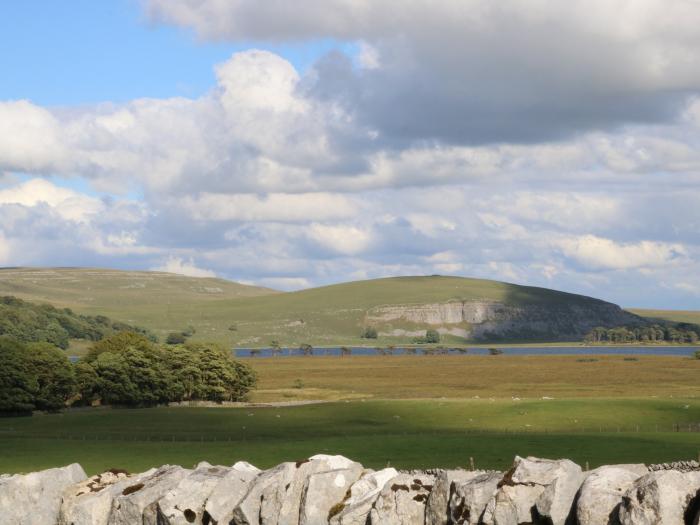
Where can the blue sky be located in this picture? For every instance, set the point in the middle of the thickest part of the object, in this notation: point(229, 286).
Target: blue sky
point(293, 144)
point(85, 52)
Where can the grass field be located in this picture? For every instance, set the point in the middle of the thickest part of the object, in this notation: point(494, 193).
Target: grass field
point(392, 377)
point(604, 411)
point(408, 434)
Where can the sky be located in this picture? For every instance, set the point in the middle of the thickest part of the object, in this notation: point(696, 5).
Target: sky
point(296, 144)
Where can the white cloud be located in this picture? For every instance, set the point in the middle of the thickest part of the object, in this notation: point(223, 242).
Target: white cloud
point(456, 140)
point(343, 239)
point(600, 253)
point(270, 207)
point(68, 204)
point(285, 283)
point(5, 251)
point(183, 267)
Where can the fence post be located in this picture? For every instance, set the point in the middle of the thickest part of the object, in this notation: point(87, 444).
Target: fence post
point(471, 462)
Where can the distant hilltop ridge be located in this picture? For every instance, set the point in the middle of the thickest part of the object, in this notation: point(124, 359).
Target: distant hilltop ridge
point(398, 308)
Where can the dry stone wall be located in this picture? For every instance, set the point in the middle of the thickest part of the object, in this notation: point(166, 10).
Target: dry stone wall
point(327, 489)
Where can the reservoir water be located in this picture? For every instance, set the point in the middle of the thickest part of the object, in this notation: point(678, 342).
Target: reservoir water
point(674, 350)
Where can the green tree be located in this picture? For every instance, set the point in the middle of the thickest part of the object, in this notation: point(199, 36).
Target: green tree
point(275, 347)
point(432, 336)
point(54, 375)
point(176, 338)
point(87, 383)
point(369, 332)
point(306, 349)
point(18, 384)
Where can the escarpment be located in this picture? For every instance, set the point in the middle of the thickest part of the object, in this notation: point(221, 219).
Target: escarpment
point(334, 490)
point(492, 320)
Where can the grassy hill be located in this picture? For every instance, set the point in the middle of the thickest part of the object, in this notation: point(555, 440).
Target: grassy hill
point(241, 315)
point(676, 316)
point(135, 297)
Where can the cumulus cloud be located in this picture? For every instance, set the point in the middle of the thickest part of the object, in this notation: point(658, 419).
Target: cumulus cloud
point(600, 253)
point(478, 72)
point(456, 140)
point(68, 204)
point(343, 239)
point(183, 267)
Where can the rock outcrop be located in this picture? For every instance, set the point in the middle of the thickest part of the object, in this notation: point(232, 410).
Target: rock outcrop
point(334, 490)
point(35, 498)
point(487, 319)
point(600, 496)
point(535, 490)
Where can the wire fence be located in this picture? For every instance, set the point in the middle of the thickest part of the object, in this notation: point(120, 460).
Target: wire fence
point(243, 435)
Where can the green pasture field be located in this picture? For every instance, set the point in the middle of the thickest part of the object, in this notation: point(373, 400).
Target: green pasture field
point(461, 377)
point(408, 434)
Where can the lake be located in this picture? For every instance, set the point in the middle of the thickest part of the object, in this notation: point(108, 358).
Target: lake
point(678, 350)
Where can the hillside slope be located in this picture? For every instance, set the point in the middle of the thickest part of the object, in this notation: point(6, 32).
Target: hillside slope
point(675, 316)
point(135, 297)
point(400, 308)
point(403, 307)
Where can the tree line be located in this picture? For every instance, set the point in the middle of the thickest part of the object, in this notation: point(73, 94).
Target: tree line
point(33, 323)
point(126, 369)
point(679, 333)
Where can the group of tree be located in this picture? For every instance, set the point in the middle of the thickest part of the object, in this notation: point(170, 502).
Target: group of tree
point(678, 333)
point(430, 337)
point(125, 369)
point(180, 338)
point(34, 376)
point(369, 332)
point(36, 323)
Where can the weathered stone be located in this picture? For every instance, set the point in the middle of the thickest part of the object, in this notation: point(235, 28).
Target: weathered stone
point(248, 510)
point(436, 510)
point(363, 493)
point(469, 498)
point(535, 489)
point(185, 503)
point(665, 497)
point(289, 500)
point(90, 502)
point(229, 492)
point(324, 491)
point(402, 501)
point(244, 466)
point(138, 502)
point(35, 498)
point(601, 494)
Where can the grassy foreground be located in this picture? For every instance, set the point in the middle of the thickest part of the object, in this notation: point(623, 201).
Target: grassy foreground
point(411, 411)
point(404, 433)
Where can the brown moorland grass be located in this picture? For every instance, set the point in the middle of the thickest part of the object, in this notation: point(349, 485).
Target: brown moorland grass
point(413, 377)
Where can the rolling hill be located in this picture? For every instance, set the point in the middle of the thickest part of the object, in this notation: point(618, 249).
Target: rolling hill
point(399, 308)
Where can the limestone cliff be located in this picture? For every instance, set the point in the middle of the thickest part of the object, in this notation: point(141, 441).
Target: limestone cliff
point(496, 320)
